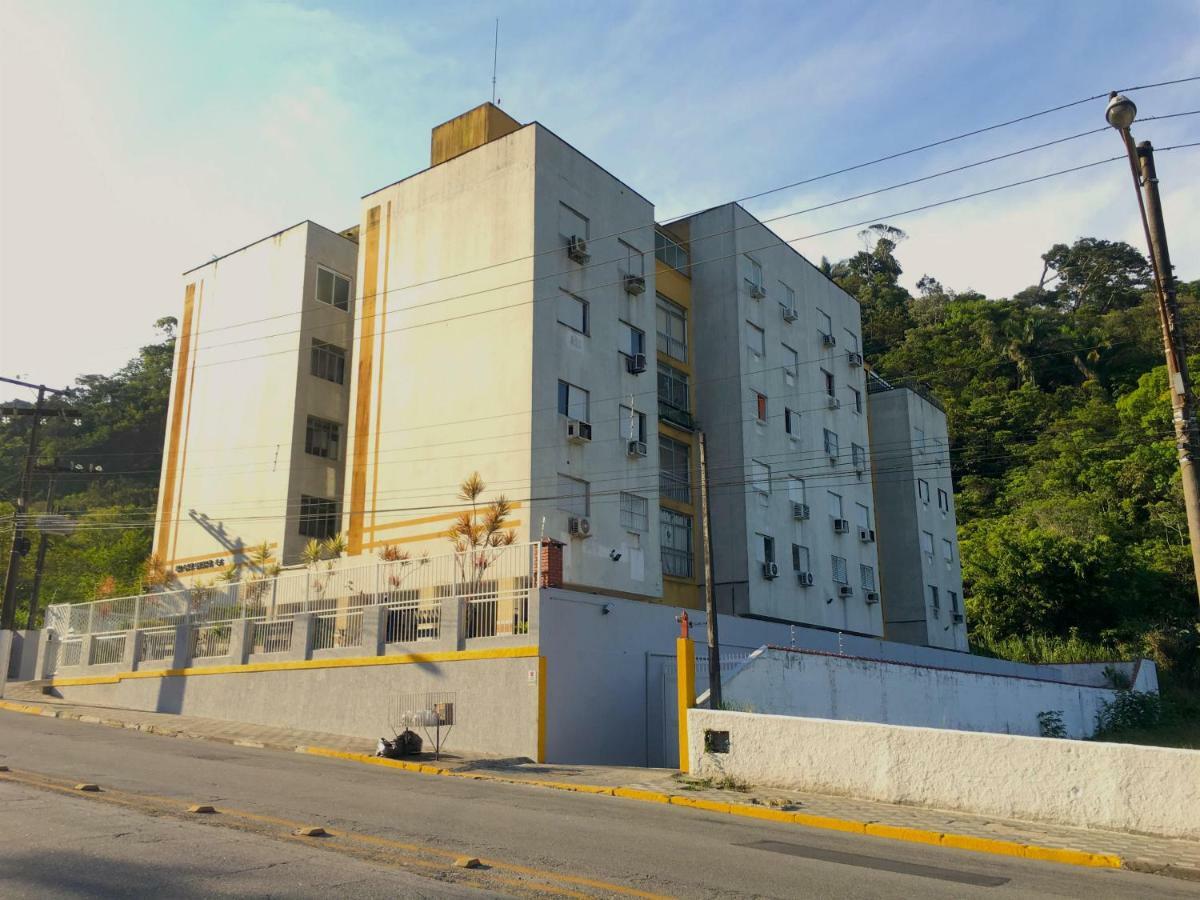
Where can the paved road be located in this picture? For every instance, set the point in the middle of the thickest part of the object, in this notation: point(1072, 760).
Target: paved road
point(399, 833)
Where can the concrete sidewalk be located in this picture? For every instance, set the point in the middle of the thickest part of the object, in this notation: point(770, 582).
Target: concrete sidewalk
point(1176, 858)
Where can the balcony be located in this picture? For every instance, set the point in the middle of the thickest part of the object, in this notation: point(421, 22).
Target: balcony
point(673, 415)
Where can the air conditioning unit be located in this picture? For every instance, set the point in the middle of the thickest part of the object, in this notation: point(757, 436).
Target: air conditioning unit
point(635, 284)
point(578, 432)
point(790, 313)
point(579, 526)
point(577, 249)
point(828, 340)
point(845, 591)
point(872, 597)
point(770, 570)
point(841, 526)
point(835, 403)
point(800, 511)
point(866, 535)
point(637, 448)
point(806, 579)
point(854, 358)
point(958, 618)
point(636, 363)
point(757, 291)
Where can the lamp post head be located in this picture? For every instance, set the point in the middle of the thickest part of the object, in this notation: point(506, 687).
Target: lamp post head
point(1121, 112)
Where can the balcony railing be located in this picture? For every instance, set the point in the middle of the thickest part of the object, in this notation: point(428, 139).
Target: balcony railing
point(681, 418)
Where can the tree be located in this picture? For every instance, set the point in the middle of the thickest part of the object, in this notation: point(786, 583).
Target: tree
point(479, 534)
point(1094, 274)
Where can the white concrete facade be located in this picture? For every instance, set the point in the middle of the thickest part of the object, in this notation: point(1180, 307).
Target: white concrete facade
point(242, 392)
point(919, 566)
point(474, 318)
point(1123, 787)
point(782, 381)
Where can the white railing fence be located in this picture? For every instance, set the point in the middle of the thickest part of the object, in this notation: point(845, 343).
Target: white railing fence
point(157, 643)
point(271, 636)
point(211, 639)
point(493, 584)
point(108, 648)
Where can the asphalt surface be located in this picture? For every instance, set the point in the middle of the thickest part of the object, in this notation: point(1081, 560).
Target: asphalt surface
point(399, 834)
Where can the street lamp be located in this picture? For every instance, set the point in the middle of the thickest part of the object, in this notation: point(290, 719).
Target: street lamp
point(1120, 114)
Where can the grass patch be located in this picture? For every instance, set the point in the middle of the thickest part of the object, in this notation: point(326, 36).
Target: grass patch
point(724, 783)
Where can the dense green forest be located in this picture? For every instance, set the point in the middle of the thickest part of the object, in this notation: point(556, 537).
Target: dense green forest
point(1073, 536)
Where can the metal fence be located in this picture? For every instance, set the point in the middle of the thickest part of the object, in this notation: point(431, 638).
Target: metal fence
point(493, 583)
point(107, 648)
point(271, 636)
point(157, 643)
point(338, 629)
point(211, 639)
point(70, 652)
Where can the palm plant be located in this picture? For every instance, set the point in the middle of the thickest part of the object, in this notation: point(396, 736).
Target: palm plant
point(479, 535)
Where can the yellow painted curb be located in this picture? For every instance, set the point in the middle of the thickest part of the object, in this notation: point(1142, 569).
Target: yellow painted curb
point(26, 708)
point(748, 811)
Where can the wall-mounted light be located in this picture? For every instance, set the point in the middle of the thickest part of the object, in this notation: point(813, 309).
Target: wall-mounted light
point(614, 554)
point(606, 609)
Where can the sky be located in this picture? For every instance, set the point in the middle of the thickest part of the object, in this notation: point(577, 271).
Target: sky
point(140, 139)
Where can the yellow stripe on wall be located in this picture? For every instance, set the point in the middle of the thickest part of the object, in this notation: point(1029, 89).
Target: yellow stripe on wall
point(362, 401)
point(183, 356)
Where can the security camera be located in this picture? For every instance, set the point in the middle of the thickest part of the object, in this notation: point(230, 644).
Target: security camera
point(614, 555)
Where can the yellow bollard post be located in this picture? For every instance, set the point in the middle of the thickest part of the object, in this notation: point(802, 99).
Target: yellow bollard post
point(685, 680)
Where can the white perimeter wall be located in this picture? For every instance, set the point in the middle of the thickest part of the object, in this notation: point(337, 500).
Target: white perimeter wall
point(798, 683)
point(1152, 790)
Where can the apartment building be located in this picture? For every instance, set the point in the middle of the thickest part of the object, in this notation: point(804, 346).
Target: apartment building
point(256, 422)
point(919, 567)
point(505, 305)
point(781, 399)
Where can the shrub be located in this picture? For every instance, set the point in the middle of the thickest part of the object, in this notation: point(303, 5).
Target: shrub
point(1128, 711)
point(1050, 724)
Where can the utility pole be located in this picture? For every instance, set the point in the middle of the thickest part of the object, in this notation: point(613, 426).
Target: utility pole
point(1120, 114)
point(21, 543)
point(710, 605)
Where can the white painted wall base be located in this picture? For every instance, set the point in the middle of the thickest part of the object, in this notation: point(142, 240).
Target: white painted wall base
point(1122, 787)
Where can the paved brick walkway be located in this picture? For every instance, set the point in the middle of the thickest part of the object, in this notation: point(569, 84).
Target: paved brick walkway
point(1170, 857)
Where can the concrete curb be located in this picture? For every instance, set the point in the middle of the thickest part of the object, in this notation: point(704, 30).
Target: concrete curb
point(875, 829)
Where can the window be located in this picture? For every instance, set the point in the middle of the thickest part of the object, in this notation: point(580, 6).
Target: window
point(635, 262)
point(919, 443)
point(756, 340)
point(760, 476)
point(571, 223)
point(675, 538)
point(947, 551)
point(634, 515)
point(934, 600)
point(322, 438)
point(954, 602)
point(787, 297)
point(318, 517)
point(333, 288)
point(862, 515)
point(573, 402)
point(670, 253)
point(840, 573)
point(791, 422)
point(796, 489)
point(760, 406)
point(859, 456)
point(800, 560)
point(851, 341)
point(631, 341)
point(828, 379)
point(831, 443)
point(631, 425)
point(573, 495)
point(857, 395)
point(671, 319)
point(943, 501)
point(674, 468)
point(791, 364)
point(824, 323)
point(923, 490)
point(835, 505)
point(754, 279)
point(328, 362)
point(573, 311)
point(867, 576)
point(927, 543)
point(764, 548)
point(673, 387)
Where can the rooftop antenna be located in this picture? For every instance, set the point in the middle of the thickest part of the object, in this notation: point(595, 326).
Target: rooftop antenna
point(495, 56)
